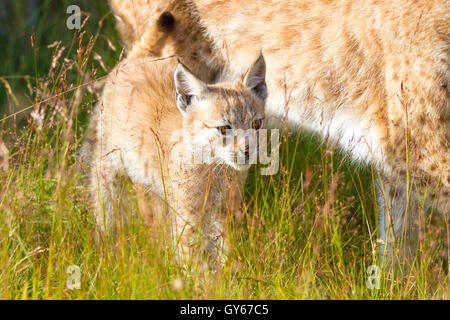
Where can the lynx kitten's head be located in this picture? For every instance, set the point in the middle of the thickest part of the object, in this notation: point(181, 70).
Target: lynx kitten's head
point(221, 121)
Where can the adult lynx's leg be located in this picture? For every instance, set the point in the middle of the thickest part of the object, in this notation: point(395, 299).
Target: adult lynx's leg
point(399, 219)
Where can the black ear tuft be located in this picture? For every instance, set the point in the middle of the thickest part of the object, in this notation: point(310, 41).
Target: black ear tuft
point(166, 21)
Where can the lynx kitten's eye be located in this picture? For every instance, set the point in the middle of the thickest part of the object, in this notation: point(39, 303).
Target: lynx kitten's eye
point(256, 124)
point(223, 129)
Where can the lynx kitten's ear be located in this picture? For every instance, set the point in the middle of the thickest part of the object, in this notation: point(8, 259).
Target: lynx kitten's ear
point(255, 79)
point(187, 86)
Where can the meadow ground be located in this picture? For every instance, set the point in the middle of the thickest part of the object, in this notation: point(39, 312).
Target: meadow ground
point(308, 232)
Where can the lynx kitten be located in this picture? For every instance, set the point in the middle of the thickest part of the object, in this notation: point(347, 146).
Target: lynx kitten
point(150, 113)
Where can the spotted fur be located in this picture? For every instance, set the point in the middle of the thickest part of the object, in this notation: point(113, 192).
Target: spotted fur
point(370, 74)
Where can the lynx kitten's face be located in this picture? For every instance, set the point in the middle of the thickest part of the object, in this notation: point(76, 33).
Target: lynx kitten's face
point(221, 122)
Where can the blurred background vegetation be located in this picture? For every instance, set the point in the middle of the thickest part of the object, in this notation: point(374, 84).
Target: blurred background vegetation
point(22, 66)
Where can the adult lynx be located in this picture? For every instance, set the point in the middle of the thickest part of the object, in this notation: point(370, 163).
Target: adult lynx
point(372, 75)
point(152, 117)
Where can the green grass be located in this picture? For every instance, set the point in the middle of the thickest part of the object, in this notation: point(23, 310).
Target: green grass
point(309, 232)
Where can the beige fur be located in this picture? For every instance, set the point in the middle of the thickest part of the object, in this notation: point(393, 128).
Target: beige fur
point(372, 75)
point(140, 133)
point(4, 157)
